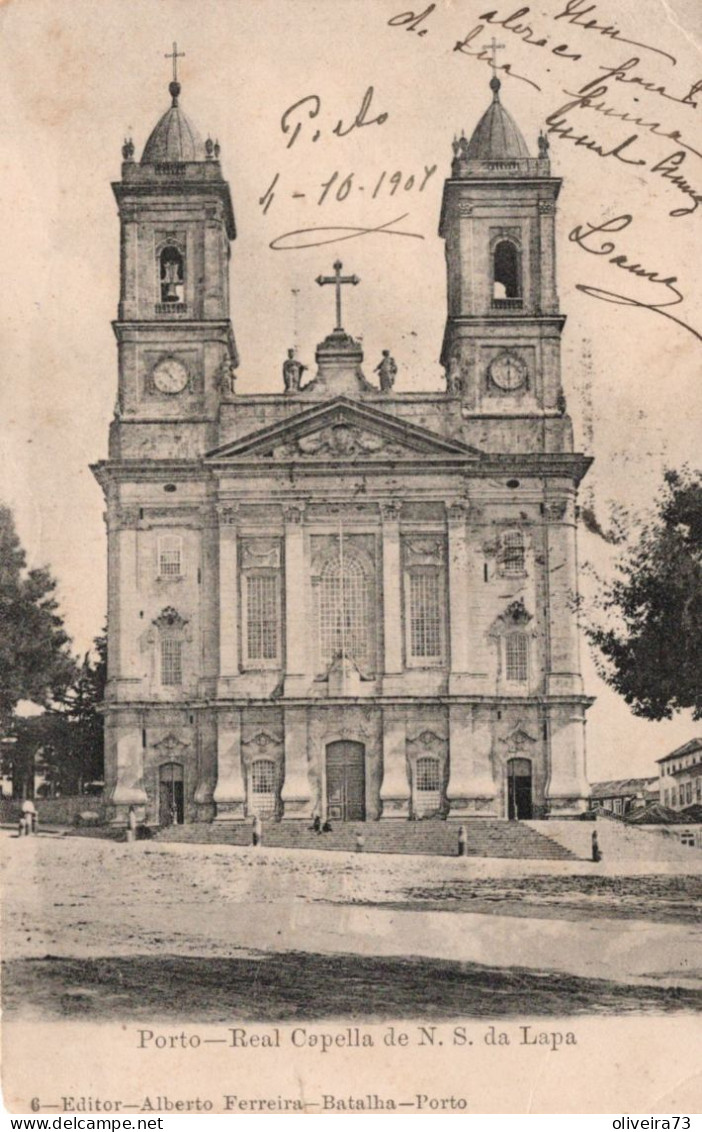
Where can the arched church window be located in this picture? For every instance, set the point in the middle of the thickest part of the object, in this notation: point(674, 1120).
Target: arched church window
point(517, 657)
point(343, 610)
point(506, 271)
point(171, 274)
point(170, 643)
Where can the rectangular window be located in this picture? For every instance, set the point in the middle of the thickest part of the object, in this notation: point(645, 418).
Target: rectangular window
point(688, 793)
point(512, 554)
point(262, 617)
point(517, 658)
point(171, 661)
point(170, 557)
point(425, 616)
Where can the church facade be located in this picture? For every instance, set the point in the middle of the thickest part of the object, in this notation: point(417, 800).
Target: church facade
point(342, 599)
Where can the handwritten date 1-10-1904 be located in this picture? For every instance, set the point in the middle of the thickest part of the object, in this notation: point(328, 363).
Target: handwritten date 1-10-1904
point(339, 187)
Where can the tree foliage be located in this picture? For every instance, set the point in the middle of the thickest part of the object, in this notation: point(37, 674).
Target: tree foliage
point(35, 659)
point(650, 644)
point(65, 743)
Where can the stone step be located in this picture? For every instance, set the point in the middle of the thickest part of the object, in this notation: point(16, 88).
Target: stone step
point(485, 838)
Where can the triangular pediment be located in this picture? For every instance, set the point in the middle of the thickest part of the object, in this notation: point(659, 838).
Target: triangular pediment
point(343, 430)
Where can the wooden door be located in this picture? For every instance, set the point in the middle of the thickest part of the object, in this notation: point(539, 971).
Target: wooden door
point(346, 781)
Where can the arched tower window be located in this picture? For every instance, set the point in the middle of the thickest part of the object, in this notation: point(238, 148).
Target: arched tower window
point(171, 263)
point(506, 271)
point(343, 610)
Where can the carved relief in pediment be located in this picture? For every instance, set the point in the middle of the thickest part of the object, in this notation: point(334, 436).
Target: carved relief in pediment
point(340, 441)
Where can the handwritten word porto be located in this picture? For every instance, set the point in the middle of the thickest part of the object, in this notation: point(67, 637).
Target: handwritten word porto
point(301, 119)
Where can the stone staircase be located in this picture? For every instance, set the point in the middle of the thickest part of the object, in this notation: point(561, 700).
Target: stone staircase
point(486, 838)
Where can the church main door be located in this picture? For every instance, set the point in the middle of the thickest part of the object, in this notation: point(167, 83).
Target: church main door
point(346, 781)
point(519, 802)
point(171, 802)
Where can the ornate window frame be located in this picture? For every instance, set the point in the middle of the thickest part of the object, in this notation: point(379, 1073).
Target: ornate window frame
point(260, 558)
point(424, 555)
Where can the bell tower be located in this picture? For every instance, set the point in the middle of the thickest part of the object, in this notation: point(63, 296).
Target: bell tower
point(501, 348)
point(175, 339)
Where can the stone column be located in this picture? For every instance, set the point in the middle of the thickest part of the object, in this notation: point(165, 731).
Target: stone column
point(206, 766)
point(228, 597)
point(296, 626)
point(458, 598)
point(392, 598)
point(562, 579)
point(395, 787)
point(124, 765)
point(567, 789)
point(230, 792)
point(471, 789)
point(296, 794)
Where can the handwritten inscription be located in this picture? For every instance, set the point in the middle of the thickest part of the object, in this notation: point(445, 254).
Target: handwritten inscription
point(589, 238)
point(303, 116)
point(339, 187)
point(336, 233)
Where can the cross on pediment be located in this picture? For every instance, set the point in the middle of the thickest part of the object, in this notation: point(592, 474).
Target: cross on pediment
point(337, 279)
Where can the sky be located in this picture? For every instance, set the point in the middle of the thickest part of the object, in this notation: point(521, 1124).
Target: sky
point(78, 78)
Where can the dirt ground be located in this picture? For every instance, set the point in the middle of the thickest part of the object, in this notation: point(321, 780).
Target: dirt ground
point(97, 929)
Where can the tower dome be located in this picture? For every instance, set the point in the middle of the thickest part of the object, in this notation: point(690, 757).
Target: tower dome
point(173, 138)
point(497, 136)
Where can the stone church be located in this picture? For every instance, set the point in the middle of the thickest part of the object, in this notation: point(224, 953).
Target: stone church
point(342, 599)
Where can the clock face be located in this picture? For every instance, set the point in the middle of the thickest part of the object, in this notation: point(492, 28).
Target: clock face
point(508, 372)
point(170, 376)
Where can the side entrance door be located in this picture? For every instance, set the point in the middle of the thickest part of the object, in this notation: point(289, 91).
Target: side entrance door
point(171, 808)
point(346, 781)
point(519, 797)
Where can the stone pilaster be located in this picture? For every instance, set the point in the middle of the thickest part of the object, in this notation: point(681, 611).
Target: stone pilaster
point(296, 627)
point(459, 641)
point(230, 792)
point(296, 794)
point(392, 598)
point(228, 596)
point(561, 562)
point(395, 788)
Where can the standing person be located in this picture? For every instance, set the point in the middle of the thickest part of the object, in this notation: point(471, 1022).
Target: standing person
point(29, 816)
point(131, 824)
point(256, 831)
point(596, 851)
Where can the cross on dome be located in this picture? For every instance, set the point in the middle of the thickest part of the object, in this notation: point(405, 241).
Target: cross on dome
point(174, 85)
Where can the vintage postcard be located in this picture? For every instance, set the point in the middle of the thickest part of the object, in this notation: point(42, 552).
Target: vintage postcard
point(349, 557)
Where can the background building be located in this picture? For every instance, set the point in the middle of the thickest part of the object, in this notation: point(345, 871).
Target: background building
point(341, 598)
point(681, 776)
